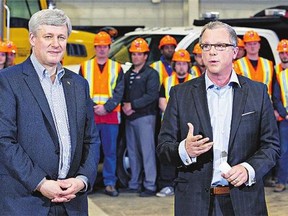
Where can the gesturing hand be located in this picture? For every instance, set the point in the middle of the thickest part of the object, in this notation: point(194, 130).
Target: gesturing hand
point(196, 145)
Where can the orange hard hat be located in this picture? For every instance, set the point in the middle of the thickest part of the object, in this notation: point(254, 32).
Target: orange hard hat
point(283, 46)
point(167, 40)
point(11, 47)
point(240, 42)
point(102, 38)
point(251, 36)
point(181, 55)
point(3, 47)
point(197, 49)
point(139, 45)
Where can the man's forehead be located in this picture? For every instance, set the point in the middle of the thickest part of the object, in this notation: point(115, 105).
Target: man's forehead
point(218, 34)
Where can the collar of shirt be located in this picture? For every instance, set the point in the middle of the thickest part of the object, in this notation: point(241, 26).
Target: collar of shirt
point(42, 72)
point(233, 81)
point(167, 65)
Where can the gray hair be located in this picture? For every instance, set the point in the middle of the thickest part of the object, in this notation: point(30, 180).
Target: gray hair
point(52, 17)
point(218, 24)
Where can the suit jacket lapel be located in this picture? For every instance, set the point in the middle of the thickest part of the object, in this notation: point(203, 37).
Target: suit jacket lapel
point(239, 101)
point(34, 85)
point(201, 106)
point(69, 91)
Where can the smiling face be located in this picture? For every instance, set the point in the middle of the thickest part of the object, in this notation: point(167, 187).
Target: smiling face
point(49, 44)
point(218, 62)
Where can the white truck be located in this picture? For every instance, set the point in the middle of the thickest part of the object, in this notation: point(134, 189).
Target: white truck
point(186, 37)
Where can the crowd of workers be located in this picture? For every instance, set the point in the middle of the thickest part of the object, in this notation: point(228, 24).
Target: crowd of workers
point(141, 96)
point(145, 89)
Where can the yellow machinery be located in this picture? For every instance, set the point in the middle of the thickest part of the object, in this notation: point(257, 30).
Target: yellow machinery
point(14, 17)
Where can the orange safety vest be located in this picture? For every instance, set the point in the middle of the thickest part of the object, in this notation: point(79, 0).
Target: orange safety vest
point(160, 68)
point(173, 80)
point(195, 71)
point(102, 86)
point(278, 68)
point(263, 73)
point(282, 78)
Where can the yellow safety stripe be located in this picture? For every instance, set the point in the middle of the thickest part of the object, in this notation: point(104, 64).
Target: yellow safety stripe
point(88, 73)
point(282, 78)
point(195, 71)
point(171, 81)
point(244, 68)
point(278, 68)
point(158, 66)
point(264, 64)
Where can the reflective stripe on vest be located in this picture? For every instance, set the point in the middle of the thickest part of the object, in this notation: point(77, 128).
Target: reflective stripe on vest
point(278, 68)
point(112, 68)
point(282, 78)
point(160, 68)
point(195, 71)
point(264, 67)
point(171, 81)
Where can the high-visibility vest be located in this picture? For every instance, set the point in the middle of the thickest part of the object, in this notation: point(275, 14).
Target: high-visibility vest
point(173, 80)
point(160, 68)
point(102, 86)
point(263, 73)
point(195, 71)
point(278, 68)
point(282, 78)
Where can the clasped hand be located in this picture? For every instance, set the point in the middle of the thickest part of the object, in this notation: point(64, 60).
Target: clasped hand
point(61, 190)
point(196, 145)
point(237, 175)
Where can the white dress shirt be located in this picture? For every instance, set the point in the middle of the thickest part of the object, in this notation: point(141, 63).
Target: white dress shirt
point(220, 103)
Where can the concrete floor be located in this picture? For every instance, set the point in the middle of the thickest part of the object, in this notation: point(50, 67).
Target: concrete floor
point(133, 205)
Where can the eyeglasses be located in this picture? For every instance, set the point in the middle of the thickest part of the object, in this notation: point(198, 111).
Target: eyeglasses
point(218, 47)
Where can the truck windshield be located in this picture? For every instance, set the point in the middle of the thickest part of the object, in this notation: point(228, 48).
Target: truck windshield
point(23, 9)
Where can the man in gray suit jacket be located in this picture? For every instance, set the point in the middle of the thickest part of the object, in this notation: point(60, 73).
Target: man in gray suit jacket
point(49, 145)
point(220, 131)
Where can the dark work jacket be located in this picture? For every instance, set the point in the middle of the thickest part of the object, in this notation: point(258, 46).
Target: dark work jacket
point(143, 93)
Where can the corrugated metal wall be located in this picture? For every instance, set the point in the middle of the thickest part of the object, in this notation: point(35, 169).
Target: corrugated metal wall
point(165, 13)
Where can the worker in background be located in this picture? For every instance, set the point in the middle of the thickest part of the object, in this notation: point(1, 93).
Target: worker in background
point(280, 101)
point(282, 49)
point(167, 47)
point(252, 65)
point(241, 48)
point(11, 54)
point(181, 63)
point(140, 103)
point(106, 83)
point(3, 55)
point(198, 68)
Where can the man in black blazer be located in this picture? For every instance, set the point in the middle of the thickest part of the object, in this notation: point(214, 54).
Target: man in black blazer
point(221, 133)
point(49, 145)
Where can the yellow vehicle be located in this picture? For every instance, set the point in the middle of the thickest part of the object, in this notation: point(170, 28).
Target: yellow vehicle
point(14, 17)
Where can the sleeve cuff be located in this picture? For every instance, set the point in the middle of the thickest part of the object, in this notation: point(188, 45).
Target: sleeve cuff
point(186, 159)
point(251, 174)
point(85, 181)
